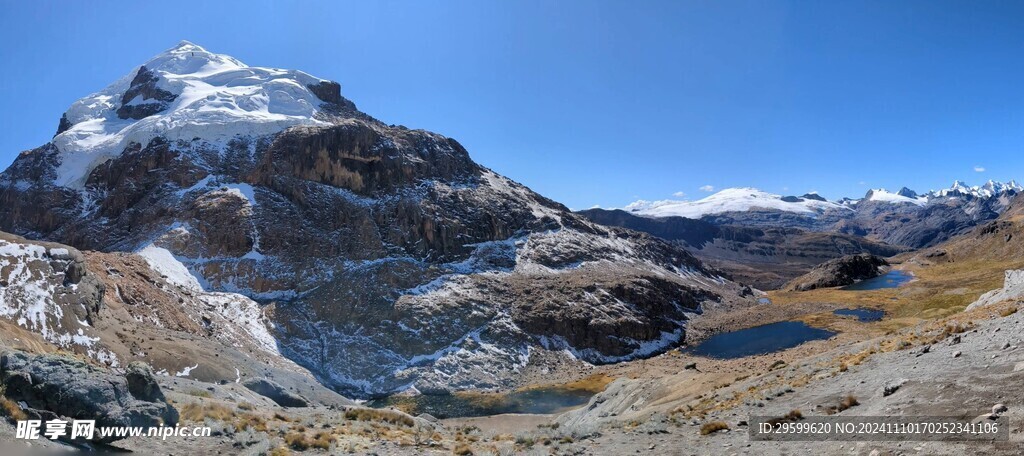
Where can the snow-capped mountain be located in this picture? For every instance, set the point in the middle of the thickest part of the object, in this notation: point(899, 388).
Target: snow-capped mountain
point(733, 200)
point(905, 195)
point(185, 94)
point(987, 190)
point(385, 257)
point(924, 219)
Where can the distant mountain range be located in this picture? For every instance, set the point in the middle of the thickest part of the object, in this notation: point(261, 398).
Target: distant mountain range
point(741, 199)
point(903, 218)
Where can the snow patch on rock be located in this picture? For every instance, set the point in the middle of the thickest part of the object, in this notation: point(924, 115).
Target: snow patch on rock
point(164, 262)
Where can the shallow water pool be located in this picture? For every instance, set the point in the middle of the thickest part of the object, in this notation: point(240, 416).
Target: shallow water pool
point(759, 340)
point(891, 279)
point(539, 400)
point(862, 313)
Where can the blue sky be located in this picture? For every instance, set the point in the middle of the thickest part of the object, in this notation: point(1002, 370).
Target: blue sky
point(594, 102)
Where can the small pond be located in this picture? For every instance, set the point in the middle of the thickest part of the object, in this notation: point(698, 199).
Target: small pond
point(891, 279)
point(540, 400)
point(862, 313)
point(759, 340)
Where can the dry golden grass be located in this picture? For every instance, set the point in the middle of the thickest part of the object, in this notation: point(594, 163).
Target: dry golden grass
point(462, 450)
point(386, 416)
point(1008, 311)
point(11, 409)
point(793, 415)
point(594, 383)
point(848, 402)
point(713, 427)
point(248, 420)
point(246, 406)
point(282, 417)
point(195, 411)
point(280, 451)
point(297, 441)
point(323, 440)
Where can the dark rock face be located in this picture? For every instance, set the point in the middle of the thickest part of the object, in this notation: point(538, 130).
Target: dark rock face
point(328, 91)
point(56, 386)
point(276, 393)
point(840, 272)
point(365, 160)
point(904, 191)
point(64, 125)
point(144, 86)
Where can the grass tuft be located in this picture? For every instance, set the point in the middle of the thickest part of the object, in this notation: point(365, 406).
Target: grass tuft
point(297, 441)
point(713, 427)
point(386, 416)
point(11, 409)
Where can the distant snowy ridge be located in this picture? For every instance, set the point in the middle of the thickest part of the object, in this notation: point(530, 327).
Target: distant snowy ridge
point(959, 188)
point(733, 200)
point(185, 93)
point(883, 195)
point(987, 190)
point(743, 199)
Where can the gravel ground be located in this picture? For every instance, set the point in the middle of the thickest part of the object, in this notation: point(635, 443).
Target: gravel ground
point(964, 379)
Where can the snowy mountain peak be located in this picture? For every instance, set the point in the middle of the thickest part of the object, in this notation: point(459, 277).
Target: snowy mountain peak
point(987, 190)
point(189, 94)
point(189, 58)
point(903, 196)
point(904, 191)
point(742, 199)
point(733, 200)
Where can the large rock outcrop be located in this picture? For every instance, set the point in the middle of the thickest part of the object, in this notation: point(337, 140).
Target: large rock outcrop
point(840, 272)
point(1013, 289)
point(61, 387)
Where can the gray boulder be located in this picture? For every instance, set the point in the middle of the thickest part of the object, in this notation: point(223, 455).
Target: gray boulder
point(276, 393)
point(142, 384)
point(53, 386)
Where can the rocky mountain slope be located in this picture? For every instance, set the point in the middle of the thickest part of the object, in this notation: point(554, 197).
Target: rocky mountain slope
point(114, 309)
point(902, 218)
point(382, 258)
point(763, 257)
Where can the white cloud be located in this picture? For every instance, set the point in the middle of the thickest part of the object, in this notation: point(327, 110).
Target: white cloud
point(679, 194)
point(707, 188)
point(979, 169)
point(785, 189)
point(862, 183)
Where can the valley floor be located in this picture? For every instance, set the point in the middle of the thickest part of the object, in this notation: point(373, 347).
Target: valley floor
point(973, 361)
